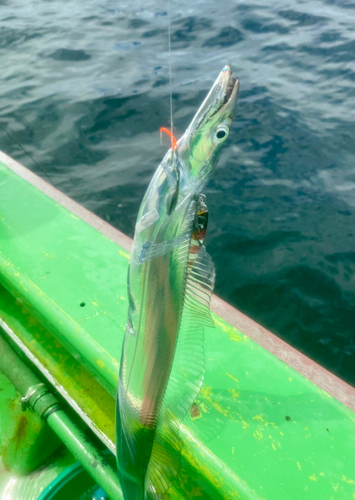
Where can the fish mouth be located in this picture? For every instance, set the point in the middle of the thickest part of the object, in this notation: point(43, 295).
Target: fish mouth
point(219, 102)
point(232, 83)
point(230, 86)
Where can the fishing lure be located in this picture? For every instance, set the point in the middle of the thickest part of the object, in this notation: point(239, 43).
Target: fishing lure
point(170, 283)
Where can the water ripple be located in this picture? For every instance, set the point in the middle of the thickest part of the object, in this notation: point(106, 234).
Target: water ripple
point(86, 90)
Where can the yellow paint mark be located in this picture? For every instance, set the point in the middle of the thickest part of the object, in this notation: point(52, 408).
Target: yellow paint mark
point(313, 477)
point(234, 336)
point(48, 255)
point(273, 446)
point(122, 298)
point(321, 473)
point(203, 407)
point(299, 466)
point(74, 216)
point(323, 393)
point(124, 254)
point(281, 433)
point(233, 450)
point(207, 393)
point(233, 378)
point(94, 304)
point(230, 331)
point(100, 363)
point(306, 428)
point(349, 481)
point(220, 409)
point(290, 379)
point(234, 393)
point(244, 423)
point(258, 435)
point(279, 444)
point(259, 418)
point(335, 487)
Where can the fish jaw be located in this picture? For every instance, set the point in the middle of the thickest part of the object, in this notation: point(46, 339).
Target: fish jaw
point(199, 148)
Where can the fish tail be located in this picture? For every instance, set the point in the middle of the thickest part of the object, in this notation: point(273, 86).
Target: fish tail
point(134, 447)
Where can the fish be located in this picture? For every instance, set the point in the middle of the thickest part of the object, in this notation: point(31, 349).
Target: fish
point(170, 283)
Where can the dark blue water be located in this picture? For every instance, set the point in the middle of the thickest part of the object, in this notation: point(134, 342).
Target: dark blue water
point(84, 88)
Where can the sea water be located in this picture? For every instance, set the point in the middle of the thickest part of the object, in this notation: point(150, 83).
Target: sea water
point(85, 88)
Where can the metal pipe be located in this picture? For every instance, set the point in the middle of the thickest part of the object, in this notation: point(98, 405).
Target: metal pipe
point(37, 397)
point(86, 453)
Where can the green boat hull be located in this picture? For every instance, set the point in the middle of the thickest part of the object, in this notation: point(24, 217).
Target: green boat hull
point(268, 423)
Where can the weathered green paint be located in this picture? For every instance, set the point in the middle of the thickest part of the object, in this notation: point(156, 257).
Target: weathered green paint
point(77, 382)
point(41, 400)
point(258, 430)
point(21, 452)
point(54, 269)
point(25, 441)
point(90, 396)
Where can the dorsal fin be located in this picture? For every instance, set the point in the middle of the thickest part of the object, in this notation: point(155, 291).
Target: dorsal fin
point(186, 376)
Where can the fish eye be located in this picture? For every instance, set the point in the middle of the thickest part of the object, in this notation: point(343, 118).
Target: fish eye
point(221, 133)
point(201, 221)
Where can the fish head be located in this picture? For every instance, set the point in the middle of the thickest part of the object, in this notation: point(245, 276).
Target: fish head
point(186, 169)
point(199, 148)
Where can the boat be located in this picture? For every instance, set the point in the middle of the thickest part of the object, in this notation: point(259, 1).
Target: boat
point(268, 424)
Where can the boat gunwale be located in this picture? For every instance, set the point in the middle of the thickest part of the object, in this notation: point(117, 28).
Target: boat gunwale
point(311, 370)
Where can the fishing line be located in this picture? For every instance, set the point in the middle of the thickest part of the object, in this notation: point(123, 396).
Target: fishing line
point(27, 153)
point(170, 75)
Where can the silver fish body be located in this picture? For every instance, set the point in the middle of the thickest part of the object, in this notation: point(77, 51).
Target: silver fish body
point(170, 275)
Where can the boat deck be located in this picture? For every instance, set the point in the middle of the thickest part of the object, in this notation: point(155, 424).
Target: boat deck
point(268, 423)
